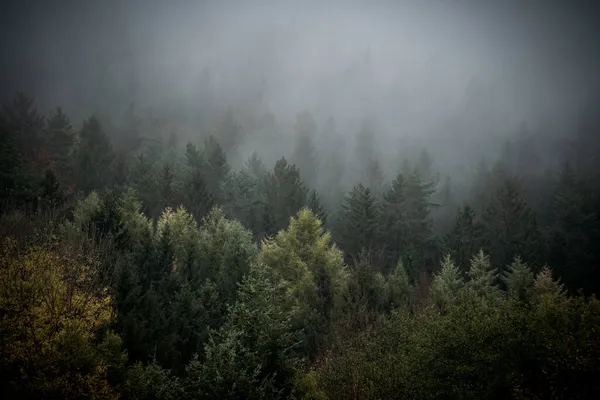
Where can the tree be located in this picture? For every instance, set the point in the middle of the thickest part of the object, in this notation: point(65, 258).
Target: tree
point(519, 280)
point(229, 133)
point(284, 194)
point(60, 139)
point(356, 228)
point(373, 177)
point(465, 238)
point(52, 317)
point(313, 271)
point(446, 284)
point(93, 157)
point(314, 204)
point(483, 277)
point(305, 153)
point(256, 352)
point(216, 167)
point(510, 228)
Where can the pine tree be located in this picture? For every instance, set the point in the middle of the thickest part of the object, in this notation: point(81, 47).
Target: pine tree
point(398, 287)
point(373, 177)
point(197, 197)
point(60, 139)
point(446, 283)
point(465, 238)
point(314, 204)
point(518, 280)
point(93, 157)
point(143, 180)
point(305, 154)
point(229, 133)
point(546, 286)
point(394, 221)
point(311, 266)
point(284, 195)
point(483, 277)
point(167, 186)
point(217, 168)
point(25, 125)
point(510, 228)
point(356, 228)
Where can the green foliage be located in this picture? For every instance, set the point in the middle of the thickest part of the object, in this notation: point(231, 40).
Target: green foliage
point(313, 272)
point(483, 277)
point(357, 223)
point(518, 280)
point(446, 284)
point(93, 157)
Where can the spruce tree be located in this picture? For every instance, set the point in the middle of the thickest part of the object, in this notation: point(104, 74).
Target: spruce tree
point(446, 283)
point(510, 228)
point(93, 157)
point(216, 167)
point(284, 195)
point(518, 280)
point(356, 228)
point(483, 277)
point(60, 139)
point(465, 238)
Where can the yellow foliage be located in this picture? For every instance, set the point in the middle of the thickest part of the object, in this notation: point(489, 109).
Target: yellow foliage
point(50, 307)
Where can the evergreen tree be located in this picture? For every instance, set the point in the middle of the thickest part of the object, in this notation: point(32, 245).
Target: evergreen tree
point(314, 204)
point(216, 167)
point(398, 287)
point(518, 280)
point(25, 125)
point(465, 238)
point(60, 139)
point(305, 154)
point(510, 228)
point(284, 195)
point(446, 284)
point(356, 229)
point(373, 177)
point(229, 133)
point(93, 157)
point(483, 277)
point(144, 180)
point(312, 268)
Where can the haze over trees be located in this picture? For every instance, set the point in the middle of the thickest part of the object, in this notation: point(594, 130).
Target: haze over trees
point(285, 215)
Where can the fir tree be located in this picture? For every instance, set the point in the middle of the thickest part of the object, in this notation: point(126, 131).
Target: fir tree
point(510, 228)
point(357, 224)
point(483, 277)
point(465, 238)
point(446, 283)
point(518, 280)
point(94, 157)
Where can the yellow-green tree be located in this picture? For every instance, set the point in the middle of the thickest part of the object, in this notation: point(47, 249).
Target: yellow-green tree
point(52, 310)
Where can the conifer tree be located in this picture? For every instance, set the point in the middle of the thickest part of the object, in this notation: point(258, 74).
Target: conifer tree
point(230, 134)
point(94, 157)
point(216, 167)
point(510, 228)
point(284, 194)
point(518, 280)
point(314, 204)
point(313, 270)
point(398, 287)
point(305, 153)
point(483, 277)
point(465, 238)
point(373, 177)
point(60, 139)
point(357, 224)
point(446, 284)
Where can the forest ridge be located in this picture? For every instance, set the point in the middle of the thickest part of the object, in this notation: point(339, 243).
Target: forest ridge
point(138, 266)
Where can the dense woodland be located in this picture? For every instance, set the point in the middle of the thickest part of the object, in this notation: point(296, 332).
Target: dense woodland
point(137, 265)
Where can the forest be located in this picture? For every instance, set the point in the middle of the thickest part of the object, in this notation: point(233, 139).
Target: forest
point(221, 242)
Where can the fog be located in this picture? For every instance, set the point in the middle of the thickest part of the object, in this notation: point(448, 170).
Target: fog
point(452, 75)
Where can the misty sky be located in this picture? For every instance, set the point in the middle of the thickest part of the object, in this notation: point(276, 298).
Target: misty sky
point(414, 66)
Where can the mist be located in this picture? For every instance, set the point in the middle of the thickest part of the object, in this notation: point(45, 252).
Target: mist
point(429, 70)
